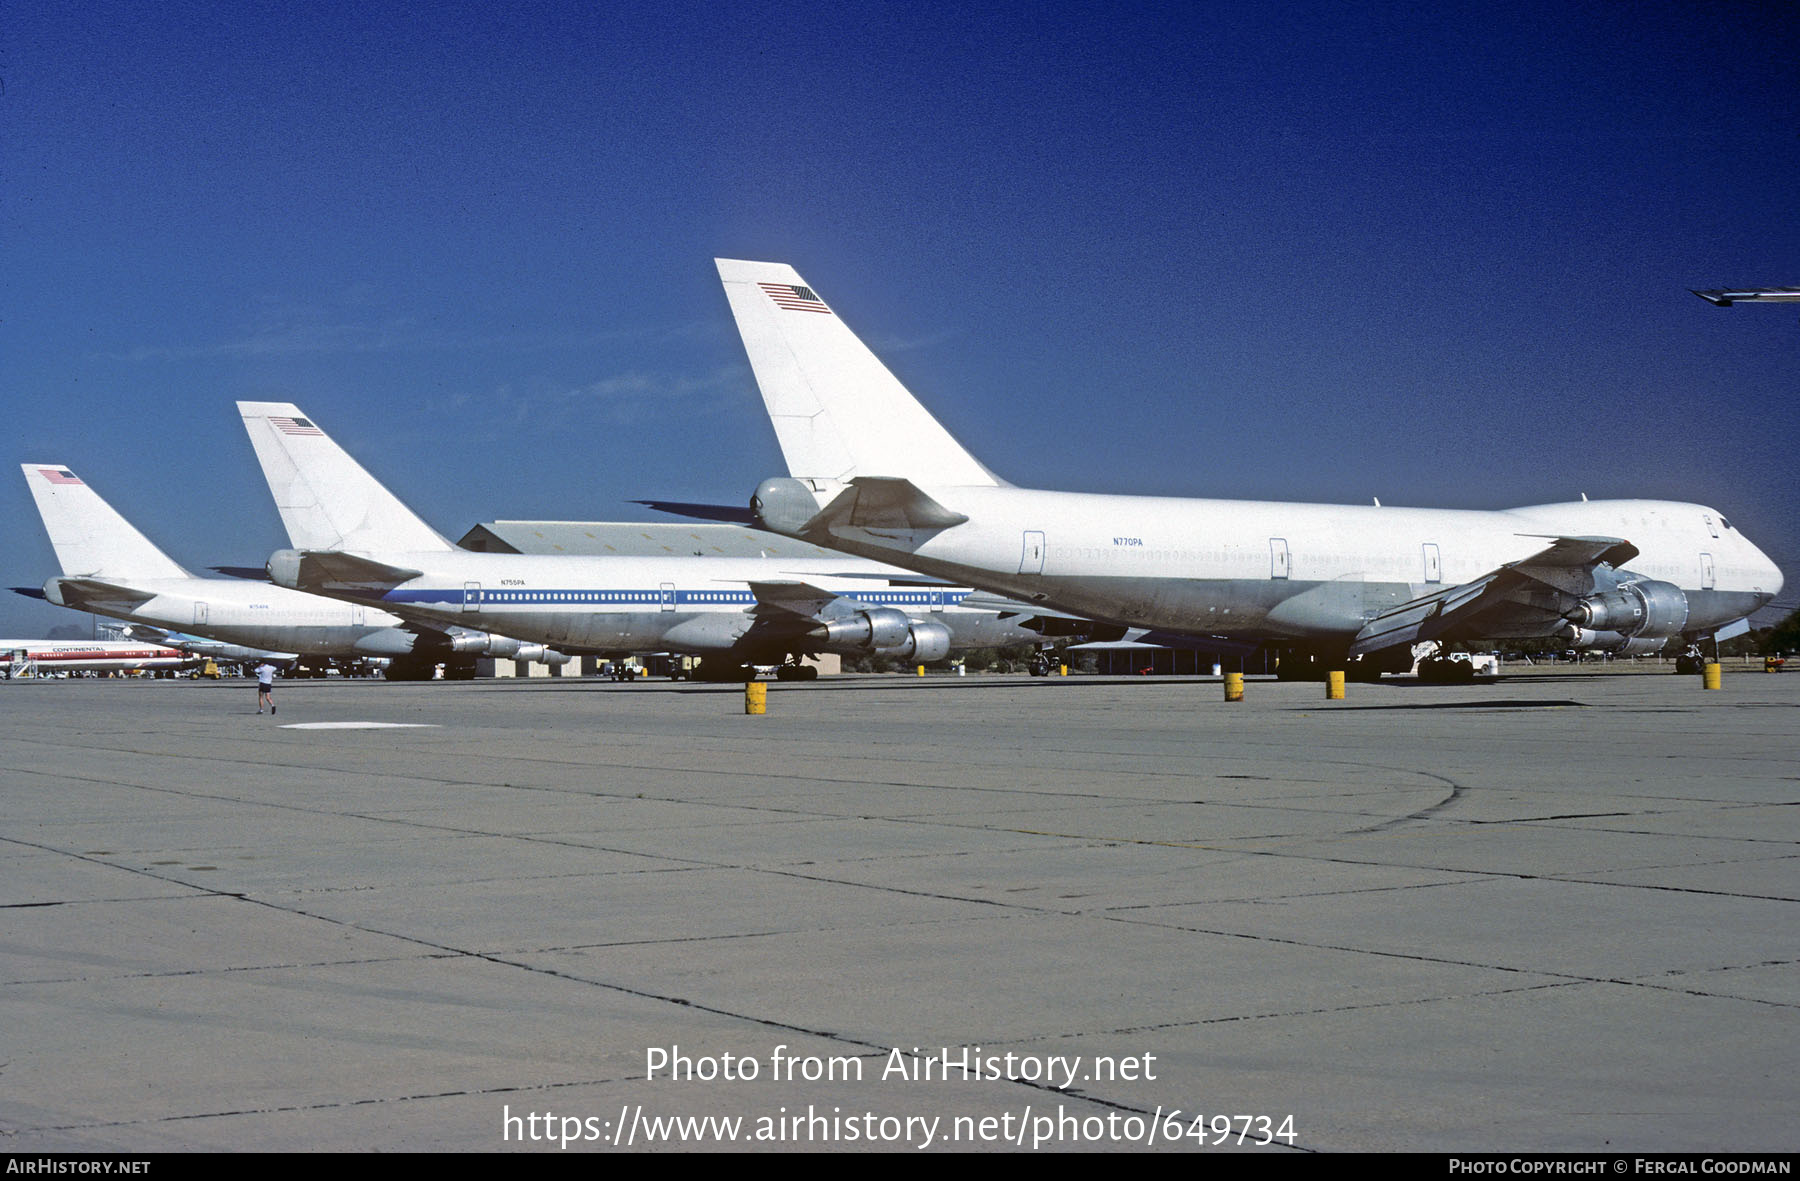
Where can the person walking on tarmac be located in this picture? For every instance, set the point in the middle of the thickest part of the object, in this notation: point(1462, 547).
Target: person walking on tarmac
point(265, 686)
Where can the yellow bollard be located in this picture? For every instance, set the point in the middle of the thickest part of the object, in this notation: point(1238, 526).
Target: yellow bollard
point(1710, 676)
point(921, 670)
point(1234, 686)
point(756, 698)
point(1334, 685)
point(1062, 670)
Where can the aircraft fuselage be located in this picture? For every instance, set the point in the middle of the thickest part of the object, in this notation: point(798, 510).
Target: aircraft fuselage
point(1280, 571)
point(695, 605)
point(252, 614)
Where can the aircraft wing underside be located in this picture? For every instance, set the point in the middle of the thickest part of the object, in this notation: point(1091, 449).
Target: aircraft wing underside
point(1526, 598)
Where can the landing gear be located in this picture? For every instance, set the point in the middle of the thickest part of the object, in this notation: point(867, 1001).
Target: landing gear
point(1440, 670)
point(797, 672)
point(1691, 662)
point(719, 671)
point(1040, 665)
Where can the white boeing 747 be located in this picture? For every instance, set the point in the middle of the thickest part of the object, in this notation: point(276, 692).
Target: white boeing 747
point(871, 472)
point(109, 568)
point(354, 540)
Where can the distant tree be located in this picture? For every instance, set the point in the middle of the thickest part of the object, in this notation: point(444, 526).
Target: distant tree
point(1783, 637)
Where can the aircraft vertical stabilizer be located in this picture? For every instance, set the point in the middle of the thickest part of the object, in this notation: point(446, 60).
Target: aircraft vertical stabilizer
point(90, 538)
point(327, 501)
point(838, 412)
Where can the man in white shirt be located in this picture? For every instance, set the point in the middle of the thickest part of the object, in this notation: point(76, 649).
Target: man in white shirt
point(265, 686)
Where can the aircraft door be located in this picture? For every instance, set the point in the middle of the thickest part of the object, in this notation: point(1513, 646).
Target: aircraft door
point(936, 597)
point(1280, 563)
point(199, 614)
point(666, 596)
point(1031, 556)
point(1706, 572)
point(471, 596)
point(357, 615)
point(1434, 565)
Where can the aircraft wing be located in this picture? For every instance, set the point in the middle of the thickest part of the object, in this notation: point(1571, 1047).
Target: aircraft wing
point(1524, 598)
point(87, 594)
point(1724, 297)
point(737, 514)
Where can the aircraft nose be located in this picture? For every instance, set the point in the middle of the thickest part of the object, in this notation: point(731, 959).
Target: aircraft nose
point(1771, 579)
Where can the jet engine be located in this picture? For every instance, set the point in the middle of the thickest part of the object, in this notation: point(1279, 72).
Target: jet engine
point(504, 648)
point(1588, 640)
point(884, 631)
point(1632, 619)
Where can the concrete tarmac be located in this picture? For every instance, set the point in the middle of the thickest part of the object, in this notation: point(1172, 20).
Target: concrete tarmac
point(1549, 913)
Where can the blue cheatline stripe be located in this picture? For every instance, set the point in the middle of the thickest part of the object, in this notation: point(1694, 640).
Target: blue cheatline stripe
point(635, 597)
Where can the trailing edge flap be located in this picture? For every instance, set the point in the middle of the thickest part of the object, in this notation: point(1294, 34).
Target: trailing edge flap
point(885, 506)
point(82, 592)
point(794, 598)
point(341, 571)
point(1534, 587)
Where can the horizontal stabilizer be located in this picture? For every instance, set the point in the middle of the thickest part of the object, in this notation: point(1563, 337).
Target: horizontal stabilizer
point(329, 570)
point(797, 598)
point(737, 514)
point(88, 594)
point(883, 506)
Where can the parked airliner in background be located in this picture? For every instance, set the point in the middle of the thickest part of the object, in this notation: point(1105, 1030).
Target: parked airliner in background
point(109, 568)
point(354, 540)
point(1724, 297)
point(216, 650)
point(871, 472)
point(65, 656)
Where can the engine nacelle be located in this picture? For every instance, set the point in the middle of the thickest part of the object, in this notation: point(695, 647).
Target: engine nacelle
point(884, 631)
point(925, 642)
point(1588, 640)
point(874, 630)
point(1645, 610)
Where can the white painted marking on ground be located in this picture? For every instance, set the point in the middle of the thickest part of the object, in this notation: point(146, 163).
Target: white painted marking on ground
point(359, 726)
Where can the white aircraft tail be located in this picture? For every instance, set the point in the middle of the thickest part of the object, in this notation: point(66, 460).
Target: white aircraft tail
point(326, 500)
point(91, 539)
point(838, 412)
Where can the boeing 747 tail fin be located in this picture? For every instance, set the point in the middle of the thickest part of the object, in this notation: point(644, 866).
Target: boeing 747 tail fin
point(838, 412)
point(327, 501)
point(90, 537)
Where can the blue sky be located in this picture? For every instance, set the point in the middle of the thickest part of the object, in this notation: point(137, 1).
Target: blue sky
point(1437, 254)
